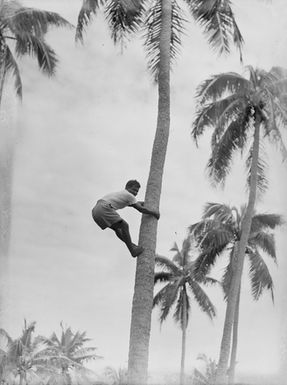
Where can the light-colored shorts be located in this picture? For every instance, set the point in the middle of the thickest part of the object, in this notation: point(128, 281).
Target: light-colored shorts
point(105, 215)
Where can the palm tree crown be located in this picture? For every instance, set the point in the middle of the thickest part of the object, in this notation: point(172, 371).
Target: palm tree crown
point(71, 346)
point(220, 231)
point(22, 30)
point(129, 16)
point(25, 356)
point(179, 276)
point(229, 103)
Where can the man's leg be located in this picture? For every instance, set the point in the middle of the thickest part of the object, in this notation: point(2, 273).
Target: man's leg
point(122, 231)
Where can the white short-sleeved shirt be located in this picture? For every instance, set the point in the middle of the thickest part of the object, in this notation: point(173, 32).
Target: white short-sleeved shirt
point(120, 199)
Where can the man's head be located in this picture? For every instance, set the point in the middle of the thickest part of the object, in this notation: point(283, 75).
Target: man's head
point(133, 186)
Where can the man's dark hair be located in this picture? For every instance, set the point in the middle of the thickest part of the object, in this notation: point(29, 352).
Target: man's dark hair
point(132, 183)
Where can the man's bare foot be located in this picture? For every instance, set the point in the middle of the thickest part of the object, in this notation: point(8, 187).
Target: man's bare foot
point(137, 250)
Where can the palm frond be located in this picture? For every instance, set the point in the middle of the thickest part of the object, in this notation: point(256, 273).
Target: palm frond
point(259, 275)
point(265, 221)
point(220, 212)
point(33, 21)
point(217, 19)
point(182, 302)
point(199, 229)
point(234, 138)
point(34, 46)
point(217, 114)
point(266, 242)
point(177, 258)
point(88, 9)
point(85, 354)
point(165, 299)
point(162, 276)
point(218, 85)
point(12, 66)
point(262, 181)
point(167, 264)
point(124, 17)
point(275, 136)
point(152, 37)
point(4, 334)
point(206, 260)
point(201, 298)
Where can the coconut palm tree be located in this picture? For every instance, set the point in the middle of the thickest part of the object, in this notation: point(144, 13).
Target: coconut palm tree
point(206, 376)
point(162, 21)
point(22, 32)
point(219, 233)
point(69, 353)
point(24, 358)
point(44, 361)
point(181, 282)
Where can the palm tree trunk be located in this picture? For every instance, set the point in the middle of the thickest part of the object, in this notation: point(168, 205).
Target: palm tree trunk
point(221, 375)
point(6, 158)
point(143, 289)
point(231, 372)
point(183, 341)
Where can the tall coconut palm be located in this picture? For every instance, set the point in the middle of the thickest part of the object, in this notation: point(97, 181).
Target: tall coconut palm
point(219, 233)
point(163, 22)
point(22, 32)
point(69, 352)
point(181, 282)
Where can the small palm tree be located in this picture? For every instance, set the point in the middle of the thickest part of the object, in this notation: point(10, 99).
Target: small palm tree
point(243, 113)
point(219, 234)
point(116, 377)
point(24, 358)
point(206, 376)
point(69, 352)
point(180, 279)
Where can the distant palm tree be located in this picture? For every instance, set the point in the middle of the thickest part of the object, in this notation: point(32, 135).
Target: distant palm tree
point(163, 24)
point(219, 234)
point(242, 111)
point(180, 279)
point(116, 377)
point(69, 352)
point(206, 376)
point(22, 32)
point(24, 358)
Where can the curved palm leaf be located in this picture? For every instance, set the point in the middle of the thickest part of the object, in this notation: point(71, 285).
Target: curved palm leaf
point(152, 37)
point(265, 221)
point(265, 242)
point(165, 298)
point(217, 85)
point(88, 9)
point(259, 275)
point(182, 303)
point(167, 264)
point(234, 138)
point(32, 21)
point(201, 298)
point(218, 22)
point(34, 46)
point(12, 66)
point(124, 17)
point(162, 276)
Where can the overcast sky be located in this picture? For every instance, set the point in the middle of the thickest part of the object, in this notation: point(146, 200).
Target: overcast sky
point(84, 134)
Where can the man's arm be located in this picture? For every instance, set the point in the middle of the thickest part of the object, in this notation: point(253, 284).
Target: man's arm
point(140, 207)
